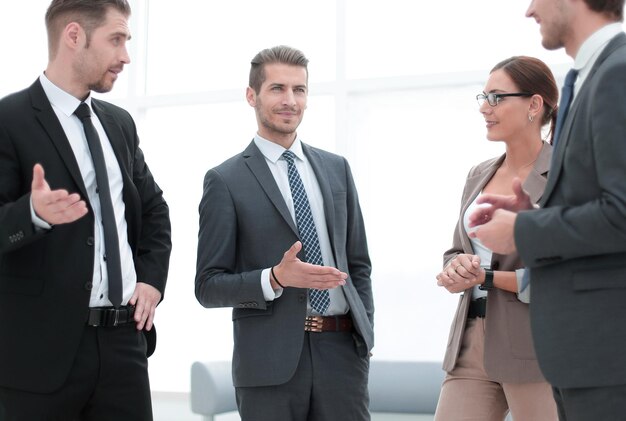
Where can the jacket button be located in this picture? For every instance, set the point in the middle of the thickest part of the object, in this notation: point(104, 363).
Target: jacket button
point(88, 286)
point(301, 298)
point(90, 241)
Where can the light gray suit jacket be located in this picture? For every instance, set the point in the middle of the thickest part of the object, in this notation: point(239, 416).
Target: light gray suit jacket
point(509, 352)
point(576, 244)
point(245, 227)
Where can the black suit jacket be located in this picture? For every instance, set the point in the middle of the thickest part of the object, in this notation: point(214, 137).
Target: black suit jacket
point(45, 276)
point(576, 244)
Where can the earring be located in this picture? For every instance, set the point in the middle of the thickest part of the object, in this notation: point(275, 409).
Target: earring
point(530, 118)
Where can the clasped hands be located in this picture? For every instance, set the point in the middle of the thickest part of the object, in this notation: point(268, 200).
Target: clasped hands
point(293, 272)
point(461, 273)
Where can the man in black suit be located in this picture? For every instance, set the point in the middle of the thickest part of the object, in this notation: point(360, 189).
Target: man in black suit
point(81, 271)
point(282, 241)
point(575, 244)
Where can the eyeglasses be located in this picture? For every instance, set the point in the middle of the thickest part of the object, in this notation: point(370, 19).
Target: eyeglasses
point(494, 99)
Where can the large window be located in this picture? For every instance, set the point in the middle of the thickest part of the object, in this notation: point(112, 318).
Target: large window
point(392, 88)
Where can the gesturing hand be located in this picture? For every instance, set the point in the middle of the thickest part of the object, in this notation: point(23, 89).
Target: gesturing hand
point(293, 272)
point(54, 206)
point(520, 200)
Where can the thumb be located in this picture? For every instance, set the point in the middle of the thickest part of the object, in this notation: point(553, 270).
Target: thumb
point(518, 190)
point(39, 182)
point(476, 261)
point(293, 251)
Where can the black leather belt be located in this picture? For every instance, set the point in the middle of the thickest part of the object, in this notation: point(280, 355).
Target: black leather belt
point(110, 316)
point(477, 308)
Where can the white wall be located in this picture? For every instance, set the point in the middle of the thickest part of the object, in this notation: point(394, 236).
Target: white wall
point(392, 88)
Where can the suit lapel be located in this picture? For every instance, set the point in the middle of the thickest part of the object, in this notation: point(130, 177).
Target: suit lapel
point(255, 161)
point(323, 181)
point(49, 121)
point(115, 135)
point(557, 165)
point(536, 181)
point(475, 185)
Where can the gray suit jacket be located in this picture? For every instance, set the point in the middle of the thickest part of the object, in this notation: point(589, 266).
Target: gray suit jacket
point(245, 227)
point(576, 244)
point(509, 352)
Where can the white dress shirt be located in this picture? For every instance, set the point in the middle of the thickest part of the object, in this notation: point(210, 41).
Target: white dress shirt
point(64, 106)
point(278, 166)
point(591, 49)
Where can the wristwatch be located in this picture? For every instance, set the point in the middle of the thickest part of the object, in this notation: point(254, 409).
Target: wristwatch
point(488, 284)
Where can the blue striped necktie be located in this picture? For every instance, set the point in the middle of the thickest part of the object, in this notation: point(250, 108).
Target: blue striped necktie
point(320, 299)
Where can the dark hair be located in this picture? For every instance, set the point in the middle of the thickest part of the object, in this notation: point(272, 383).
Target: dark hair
point(89, 14)
point(613, 9)
point(279, 54)
point(532, 75)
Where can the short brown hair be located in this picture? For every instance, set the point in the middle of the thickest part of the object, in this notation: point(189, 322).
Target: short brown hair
point(89, 14)
point(279, 54)
point(532, 75)
point(613, 9)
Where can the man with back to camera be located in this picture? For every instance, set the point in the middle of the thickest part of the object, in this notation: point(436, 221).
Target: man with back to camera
point(575, 244)
point(282, 241)
point(85, 245)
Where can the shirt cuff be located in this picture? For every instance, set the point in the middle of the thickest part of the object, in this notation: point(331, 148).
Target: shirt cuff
point(523, 293)
point(37, 221)
point(268, 292)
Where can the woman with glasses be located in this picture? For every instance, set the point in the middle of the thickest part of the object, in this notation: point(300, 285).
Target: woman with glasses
point(490, 361)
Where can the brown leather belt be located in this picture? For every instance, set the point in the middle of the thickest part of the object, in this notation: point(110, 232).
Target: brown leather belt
point(328, 324)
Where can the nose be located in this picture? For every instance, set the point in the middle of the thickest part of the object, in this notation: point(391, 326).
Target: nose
point(530, 11)
point(485, 108)
point(125, 57)
point(289, 98)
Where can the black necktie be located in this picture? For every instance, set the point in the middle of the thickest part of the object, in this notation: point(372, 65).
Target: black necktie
point(320, 299)
point(111, 239)
point(566, 99)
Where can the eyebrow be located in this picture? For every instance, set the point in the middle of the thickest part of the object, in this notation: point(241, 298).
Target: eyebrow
point(122, 34)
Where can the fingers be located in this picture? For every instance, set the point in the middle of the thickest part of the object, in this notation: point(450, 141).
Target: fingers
point(463, 269)
point(54, 206)
point(325, 277)
point(480, 216)
point(145, 300)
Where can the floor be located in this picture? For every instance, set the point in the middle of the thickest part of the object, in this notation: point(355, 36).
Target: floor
point(175, 407)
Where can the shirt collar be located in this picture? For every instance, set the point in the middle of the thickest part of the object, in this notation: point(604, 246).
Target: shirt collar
point(63, 101)
point(591, 48)
point(273, 151)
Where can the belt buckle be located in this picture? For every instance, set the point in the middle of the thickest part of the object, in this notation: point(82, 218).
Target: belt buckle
point(117, 317)
point(313, 324)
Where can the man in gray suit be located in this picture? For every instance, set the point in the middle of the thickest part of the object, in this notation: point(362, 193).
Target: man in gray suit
point(575, 244)
point(282, 241)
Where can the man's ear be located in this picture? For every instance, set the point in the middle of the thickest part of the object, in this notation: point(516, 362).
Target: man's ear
point(251, 96)
point(73, 35)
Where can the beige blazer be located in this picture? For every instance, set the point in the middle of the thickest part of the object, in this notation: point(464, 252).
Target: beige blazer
point(509, 351)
